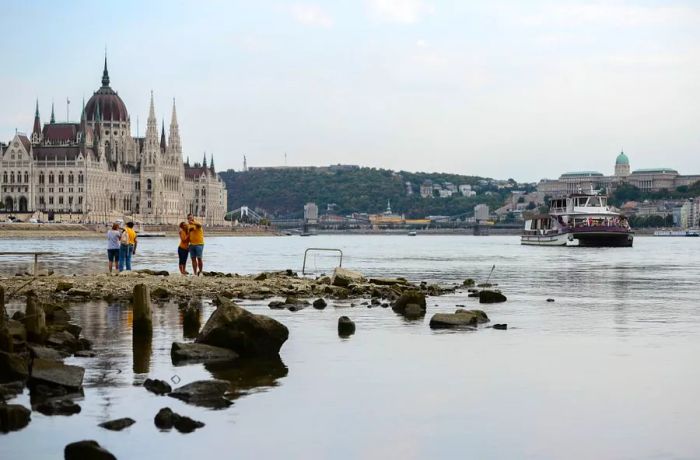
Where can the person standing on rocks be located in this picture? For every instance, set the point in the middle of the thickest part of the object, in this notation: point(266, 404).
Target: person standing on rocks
point(196, 234)
point(183, 248)
point(113, 246)
point(127, 247)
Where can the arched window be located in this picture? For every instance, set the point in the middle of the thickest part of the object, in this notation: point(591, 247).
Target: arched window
point(4, 177)
point(80, 178)
point(41, 177)
point(26, 177)
point(70, 177)
point(148, 186)
point(60, 177)
point(51, 177)
point(12, 177)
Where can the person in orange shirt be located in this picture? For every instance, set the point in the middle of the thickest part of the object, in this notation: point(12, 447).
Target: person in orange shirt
point(127, 247)
point(183, 248)
point(196, 234)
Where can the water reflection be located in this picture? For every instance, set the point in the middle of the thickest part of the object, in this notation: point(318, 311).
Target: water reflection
point(142, 351)
point(248, 374)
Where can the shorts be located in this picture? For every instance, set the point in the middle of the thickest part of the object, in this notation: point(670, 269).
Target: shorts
point(182, 255)
point(113, 255)
point(196, 250)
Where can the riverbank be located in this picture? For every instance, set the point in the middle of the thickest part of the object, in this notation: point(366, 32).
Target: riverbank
point(45, 230)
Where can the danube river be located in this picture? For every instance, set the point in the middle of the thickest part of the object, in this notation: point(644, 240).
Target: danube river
point(608, 370)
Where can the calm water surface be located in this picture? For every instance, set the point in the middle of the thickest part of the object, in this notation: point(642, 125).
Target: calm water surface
point(609, 370)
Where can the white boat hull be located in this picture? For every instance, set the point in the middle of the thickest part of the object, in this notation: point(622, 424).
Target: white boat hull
point(546, 240)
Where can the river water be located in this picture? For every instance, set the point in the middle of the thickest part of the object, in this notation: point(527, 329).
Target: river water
point(608, 370)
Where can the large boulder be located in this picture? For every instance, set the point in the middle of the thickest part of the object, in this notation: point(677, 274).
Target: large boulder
point(460, 317)
point(58, 407)
point(411, 303)
point(86, 450)
point(487, 296)
point(237, 329)
point(13, 366)
point(55, 373)
point(37, 351)
point(205, 393)
point(343, 277)
point(200, 352)
point(13, 417)
point(63, 340)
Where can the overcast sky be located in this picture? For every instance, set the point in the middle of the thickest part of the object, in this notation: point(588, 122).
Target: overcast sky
point(522, 89)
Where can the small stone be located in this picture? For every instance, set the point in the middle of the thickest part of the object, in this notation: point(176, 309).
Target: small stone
point(64, 286)
point(320, 304)
point(159, 387)
point(469, 282)
point(61, 407)
point(276, 305)
point(118, 424)
point(500, 327)
point(346, 326)
point(185, 424)
point(164, 419)
point(86, 450)
point(550, 300)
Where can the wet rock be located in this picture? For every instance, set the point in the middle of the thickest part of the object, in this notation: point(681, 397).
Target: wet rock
point(118, 424)
point(277, 305)
point(190, 321)
point(344, 278)
point(458, 318)
point(387, 281)
point(154, 272)
point(6, 342)
point(248, 334)
point(13, 417)
point(64, 286)
point(84, 354)
point(324, 280)
point(159, 387)
point(473, 294)
point(10, 390)
point(13, 366)
point(74, 329)
point(41, 392)
point(37, 351)
point(75, 292)
point(501, 327)
point(56, 314)
point(486, 285)
point(18, 316)
point(199, 352)
point(86, 450)
point(55, 373)
point(160, 293)
point(63, 340)
point(550, 300)
point(35, 320)
point(414, 298)
point(60, 407)
point(468, 282)
point(376, 302)
point(346, 326)
point(166, 419)
point(205, 393)
point(320, 304)
point(491, 297)
point(261, 277)
point(84, 344)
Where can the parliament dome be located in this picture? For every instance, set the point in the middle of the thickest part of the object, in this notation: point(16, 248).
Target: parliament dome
point(106, 102)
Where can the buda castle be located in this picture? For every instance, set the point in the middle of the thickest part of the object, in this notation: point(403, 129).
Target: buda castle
point(647, 180)
point(96, 171)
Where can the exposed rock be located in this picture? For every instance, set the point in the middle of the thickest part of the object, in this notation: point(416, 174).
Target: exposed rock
point(319, 304)
point(18, 316)
point(468, 282)
point(160, 293)
point(63, 340)
point(458, 318)
point(86, 450)
point(324, 280)
point(261, 277)
point(75, 292)
point(199, 352)
point(10, 390)
point(206, 393)
point(13, 366)
point(41, 392)
point(55, 373)
point(166, 419)
point(550, 300)
point(56, 314)
point(248, 334)
point(159, 387)
point(154, 272)
point(491, 297)
point(64, 286)
point(37, 351)
point(118, 424)
point(35, 320)
point(277, 305)
point(346, 326)
point(343, 277)
point(61, 407)
point(74, 329)
point(84, 344)
point(387, 281)
point(486, 285)
point(501, 327)
point(413, 311)
point(13, 417)
point(411, 297)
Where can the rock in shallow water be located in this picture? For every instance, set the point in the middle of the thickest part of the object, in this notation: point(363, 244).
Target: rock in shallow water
point(13, 417)
point(205, 393)
point(118, 424)
point(491, 297)
point(346, 326)
point(199, 352)
point(13, 366)
point(55, 373)
point(166, 419)
point(414, 298)
point(159, 387)
point(86, 450)
point(320, 304)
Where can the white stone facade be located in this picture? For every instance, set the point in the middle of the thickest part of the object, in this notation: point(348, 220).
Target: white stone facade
point(96, 171)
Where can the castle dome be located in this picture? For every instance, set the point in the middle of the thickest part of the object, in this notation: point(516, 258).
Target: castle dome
point(110, 105)
point(622, 159)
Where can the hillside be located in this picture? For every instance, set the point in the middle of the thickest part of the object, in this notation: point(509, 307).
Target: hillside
point(283, 192)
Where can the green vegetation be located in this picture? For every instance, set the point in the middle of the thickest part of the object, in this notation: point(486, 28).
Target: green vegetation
point(651, 221)
point(628, 192)
point(283, 192)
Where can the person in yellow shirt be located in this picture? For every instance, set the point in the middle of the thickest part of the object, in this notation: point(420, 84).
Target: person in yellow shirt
point(183, 249)
point(196, 233)
point(127, 247)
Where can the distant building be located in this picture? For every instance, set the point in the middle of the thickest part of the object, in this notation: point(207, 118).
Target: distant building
point(464, 189)
point(426, 189)
point(648, 180)
point(481, 212)
point(690, 213)
point(409, 188)
point(445, 193)
point(310, 213)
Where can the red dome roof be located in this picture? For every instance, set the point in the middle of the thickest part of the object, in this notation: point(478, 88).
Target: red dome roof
point(111, 106)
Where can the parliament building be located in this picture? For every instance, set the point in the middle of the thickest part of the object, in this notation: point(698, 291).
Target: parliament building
point(95, 171)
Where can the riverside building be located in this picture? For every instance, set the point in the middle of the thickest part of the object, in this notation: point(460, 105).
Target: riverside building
point(648, 180)
point(95, 171)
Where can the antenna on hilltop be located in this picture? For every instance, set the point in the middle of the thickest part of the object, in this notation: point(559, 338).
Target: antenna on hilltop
point(285, 158)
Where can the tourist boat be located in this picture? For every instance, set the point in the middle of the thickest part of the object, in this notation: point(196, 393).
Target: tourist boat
point(691, 233)
point(412, 233)
point(579, 219)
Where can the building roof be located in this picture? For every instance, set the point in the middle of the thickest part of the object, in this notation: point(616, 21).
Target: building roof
point(61, 132)
point(622, 159)
point(655, 171)
point(51, 153)
point(196, 171)
point(582, 174)
point(106, 103)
